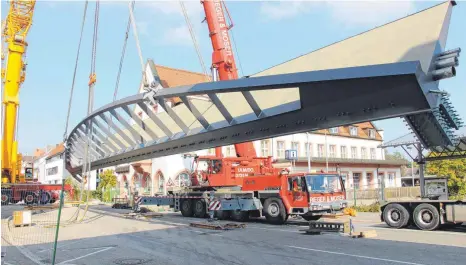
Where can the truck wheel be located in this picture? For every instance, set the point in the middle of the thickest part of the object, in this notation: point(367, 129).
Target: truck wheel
point(29, 198)
point(239, 216)
point(200, 208)
point(187, 208)
point(396, 216)
point(275, 211)
point(44, 198)
point(426, 217)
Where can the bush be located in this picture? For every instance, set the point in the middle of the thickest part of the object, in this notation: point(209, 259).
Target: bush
point(372, 208)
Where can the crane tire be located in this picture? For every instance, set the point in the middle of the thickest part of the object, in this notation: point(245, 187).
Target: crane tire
point(239, 216)
point(186, 208)
point(5, 198)
point(275, 211)
point(396, 216)
point(200, 208)
point(426, 217)
point(222, 214)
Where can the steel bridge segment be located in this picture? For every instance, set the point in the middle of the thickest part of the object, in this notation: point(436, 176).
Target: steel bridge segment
point(325, 98)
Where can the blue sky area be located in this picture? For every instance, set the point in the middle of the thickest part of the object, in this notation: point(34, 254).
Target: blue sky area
point(266, 34)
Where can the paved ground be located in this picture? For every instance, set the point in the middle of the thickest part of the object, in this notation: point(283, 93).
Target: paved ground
point(106, 238)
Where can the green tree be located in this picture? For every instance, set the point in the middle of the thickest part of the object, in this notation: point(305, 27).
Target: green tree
point(455, 170)
point(395, 156)
point(107, 179)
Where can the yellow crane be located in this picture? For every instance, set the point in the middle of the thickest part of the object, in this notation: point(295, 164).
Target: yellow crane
point(14, 31)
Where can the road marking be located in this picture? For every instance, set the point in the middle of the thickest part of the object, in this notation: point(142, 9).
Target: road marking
point(459, 233)
point(83, 256)
point(281, 230)
point(58, 246)
point(357, 256)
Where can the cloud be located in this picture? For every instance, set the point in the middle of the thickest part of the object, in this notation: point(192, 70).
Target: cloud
point(351, 13)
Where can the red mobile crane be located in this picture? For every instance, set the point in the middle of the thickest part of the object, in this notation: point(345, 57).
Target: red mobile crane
point(248, 186)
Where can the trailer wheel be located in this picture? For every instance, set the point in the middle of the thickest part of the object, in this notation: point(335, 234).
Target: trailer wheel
point(275, 211)
point(396, 216)
point(426, 217)
point(187, 208)
point(200, 208)
point(239, 216)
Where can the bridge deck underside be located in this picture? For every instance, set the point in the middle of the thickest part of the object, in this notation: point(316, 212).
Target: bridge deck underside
point(244, 110)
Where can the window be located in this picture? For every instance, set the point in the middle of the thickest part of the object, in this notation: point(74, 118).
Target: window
point(332, 150)
point(371, 133)
point(320, 150)
point(211, 151)
point(52, 171)
point(343, 152)
point(353, 131)
point(391, 179)
point(265, 148)
point(354, 153)
point(308, 149)
point(295, 146)
point(373, 153)
point(280, 149)
point(333, 130)
point(356, 178)
point(230, 151)
point(363, 153)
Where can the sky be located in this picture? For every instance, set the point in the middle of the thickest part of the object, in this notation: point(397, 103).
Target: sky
point(265, 33)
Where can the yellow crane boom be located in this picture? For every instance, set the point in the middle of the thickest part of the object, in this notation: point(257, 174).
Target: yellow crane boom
point(14, 31)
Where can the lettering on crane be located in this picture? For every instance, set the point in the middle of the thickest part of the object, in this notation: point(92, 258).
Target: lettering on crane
point(243, 172)
point(223, 28)
point(327, 198)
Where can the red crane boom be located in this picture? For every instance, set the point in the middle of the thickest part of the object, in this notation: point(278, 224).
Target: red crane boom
point(223, 60)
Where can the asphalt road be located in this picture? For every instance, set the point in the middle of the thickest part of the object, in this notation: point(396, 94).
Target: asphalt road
point(108, 239)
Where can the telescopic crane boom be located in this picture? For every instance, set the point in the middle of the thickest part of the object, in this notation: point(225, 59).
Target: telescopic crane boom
point(223, 60)
point(14, 31)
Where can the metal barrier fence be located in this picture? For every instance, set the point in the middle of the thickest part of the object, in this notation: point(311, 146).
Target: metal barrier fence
point(29, 220)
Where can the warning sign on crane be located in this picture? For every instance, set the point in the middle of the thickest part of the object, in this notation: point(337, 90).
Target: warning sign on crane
point(291, 154)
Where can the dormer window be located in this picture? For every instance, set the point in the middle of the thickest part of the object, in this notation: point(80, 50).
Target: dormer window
point(333, 130)
point(371, 133)
point(353, 131)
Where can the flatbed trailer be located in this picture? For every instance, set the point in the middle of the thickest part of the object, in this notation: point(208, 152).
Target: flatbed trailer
point(424, 214)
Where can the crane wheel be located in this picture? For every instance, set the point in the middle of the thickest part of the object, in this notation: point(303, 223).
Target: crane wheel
point(187, 208)
point(200, 208)
point(239, 216)
point(275, 211)
point(222, 215)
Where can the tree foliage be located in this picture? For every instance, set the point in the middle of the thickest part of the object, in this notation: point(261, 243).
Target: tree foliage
point(395, 156)
point(107, 179)
point(455, 170)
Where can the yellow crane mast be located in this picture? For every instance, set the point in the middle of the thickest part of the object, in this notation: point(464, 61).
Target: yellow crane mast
point(14, 31)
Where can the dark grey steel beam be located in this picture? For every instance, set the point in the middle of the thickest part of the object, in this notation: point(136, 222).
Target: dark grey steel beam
point(136, 136)
point(223, 110)
point(102, 148)
point(109, 134)
point(252, 103)
point(117, 130)
point(140, 123)
point(197, 114)
point(173, 115)
point(156, 119)
point(327, 98)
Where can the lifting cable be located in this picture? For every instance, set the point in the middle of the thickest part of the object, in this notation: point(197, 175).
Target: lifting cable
point(136, 37)
point(72, 86)
point(128, 26)
point(92, 79)
point(193, 37)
